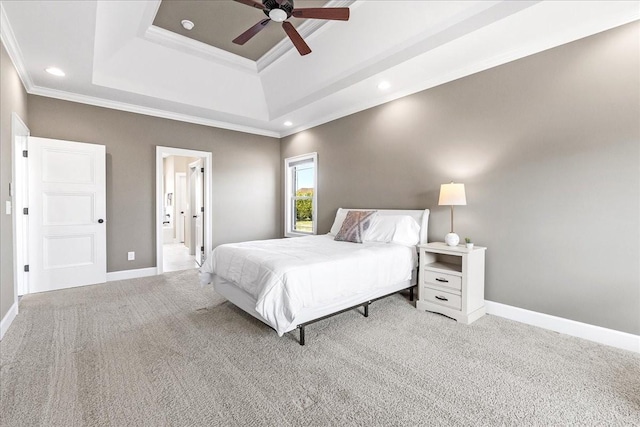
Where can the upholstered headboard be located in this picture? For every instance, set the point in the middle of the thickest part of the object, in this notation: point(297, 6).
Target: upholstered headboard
point(421, 217)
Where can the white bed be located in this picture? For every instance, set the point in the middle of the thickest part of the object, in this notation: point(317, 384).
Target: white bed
point(289, 283)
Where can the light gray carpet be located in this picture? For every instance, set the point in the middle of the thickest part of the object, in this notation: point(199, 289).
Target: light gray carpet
point(163, 351)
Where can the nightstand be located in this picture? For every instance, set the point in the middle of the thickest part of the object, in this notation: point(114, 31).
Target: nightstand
point(451, 281)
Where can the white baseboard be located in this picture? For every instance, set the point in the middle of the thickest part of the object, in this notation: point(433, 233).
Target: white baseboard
point(598, 334)
point(8, 319)
point(131, 274)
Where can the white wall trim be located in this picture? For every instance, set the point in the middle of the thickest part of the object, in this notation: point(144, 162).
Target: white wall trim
point(182, 43)
point(131, 274)
point(8, 319)
point(147, 111)
point(13, 49)
point(179, 42)
point(586, 331)
point(15, 54)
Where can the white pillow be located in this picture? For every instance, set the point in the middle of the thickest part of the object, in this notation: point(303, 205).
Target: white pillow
point(401, 229)
point(341, 214)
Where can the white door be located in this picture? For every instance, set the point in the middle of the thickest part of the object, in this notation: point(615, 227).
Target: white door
point(197, 213)
point(67, 207)
point(181, 204)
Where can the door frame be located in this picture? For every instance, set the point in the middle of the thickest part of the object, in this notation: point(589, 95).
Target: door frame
point(207, 158)
point(20, 196)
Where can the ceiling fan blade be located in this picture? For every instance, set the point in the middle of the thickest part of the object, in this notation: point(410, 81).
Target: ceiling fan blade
point(335, 13)
point(296, 38)
point(251, 3)
point(246, 36)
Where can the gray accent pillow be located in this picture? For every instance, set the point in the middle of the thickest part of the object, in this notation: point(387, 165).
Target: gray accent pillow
point(354, 226)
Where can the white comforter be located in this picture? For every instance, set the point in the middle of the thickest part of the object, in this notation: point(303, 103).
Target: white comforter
point(286, 275)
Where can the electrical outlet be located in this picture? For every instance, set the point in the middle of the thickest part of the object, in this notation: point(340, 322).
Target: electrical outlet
point(131, 256)
point(7, 207)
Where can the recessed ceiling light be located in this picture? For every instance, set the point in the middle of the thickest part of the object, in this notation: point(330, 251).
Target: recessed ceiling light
point(384, 85)
point(288, 123)
point(55, 71)
point(188, 25)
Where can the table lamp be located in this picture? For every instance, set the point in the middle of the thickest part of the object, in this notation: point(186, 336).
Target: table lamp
point(452, 195)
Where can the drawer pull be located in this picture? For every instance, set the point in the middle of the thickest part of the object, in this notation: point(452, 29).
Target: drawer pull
point(441, 298)
point(439, 279)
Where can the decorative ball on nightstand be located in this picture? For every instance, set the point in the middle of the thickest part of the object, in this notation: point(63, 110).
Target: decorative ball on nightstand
point(452, 239)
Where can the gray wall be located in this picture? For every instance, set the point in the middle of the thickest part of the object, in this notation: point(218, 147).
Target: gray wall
point(13, 98)
point(246, 173)
point(548, 147)
point(549, 150)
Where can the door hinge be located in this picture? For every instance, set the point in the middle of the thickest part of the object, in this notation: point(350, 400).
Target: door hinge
point(202, 209)
point(202, 170)
point(25, 153)
point(26, 268)
point(201, 248)
point(25, 211)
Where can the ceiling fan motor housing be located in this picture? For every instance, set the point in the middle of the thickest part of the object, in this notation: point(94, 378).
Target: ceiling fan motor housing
point(286, 5)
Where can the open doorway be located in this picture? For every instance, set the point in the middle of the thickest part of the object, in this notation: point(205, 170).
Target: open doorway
point(184, 208)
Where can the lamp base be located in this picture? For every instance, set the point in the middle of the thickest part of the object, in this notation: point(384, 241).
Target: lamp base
point(452, 239)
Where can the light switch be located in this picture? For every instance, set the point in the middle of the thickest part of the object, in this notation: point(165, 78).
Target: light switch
point(7, 207)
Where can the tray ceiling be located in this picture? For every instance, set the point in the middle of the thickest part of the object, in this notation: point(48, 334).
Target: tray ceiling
point(217, 23)
point(114, 56)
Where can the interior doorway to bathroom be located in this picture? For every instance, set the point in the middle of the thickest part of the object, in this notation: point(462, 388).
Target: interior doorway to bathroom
point(183, 198)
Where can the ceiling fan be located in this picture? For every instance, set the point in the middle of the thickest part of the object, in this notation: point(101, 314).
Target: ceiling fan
point(280, 11)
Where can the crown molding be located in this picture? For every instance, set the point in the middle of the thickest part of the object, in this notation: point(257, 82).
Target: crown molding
point(13, 49)
point(131, 108)
point(460, 72)
point(166, 38)
point(185, 44)
point(302, 111)
point(148, 16)
point(15, 54)
point(305, 29)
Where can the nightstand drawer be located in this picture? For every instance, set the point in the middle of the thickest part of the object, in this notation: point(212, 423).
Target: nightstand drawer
point(443, 279)
point(442, 298)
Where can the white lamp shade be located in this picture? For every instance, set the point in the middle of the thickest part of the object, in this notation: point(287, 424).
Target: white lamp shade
point(452, 194)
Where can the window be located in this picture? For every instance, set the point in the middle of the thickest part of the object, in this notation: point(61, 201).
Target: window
point(301, 177)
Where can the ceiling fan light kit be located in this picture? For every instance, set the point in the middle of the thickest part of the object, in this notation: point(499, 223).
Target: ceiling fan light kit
point(281, 11)
point(278, 15)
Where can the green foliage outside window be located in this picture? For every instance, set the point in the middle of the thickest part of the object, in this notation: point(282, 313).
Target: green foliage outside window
point(304, 208)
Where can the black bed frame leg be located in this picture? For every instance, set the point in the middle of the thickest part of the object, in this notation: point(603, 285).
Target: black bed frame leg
point(411, 294)
point(301, 328)
point(366, 309)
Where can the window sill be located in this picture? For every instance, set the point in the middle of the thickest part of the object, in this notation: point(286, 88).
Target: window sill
point(294, 234)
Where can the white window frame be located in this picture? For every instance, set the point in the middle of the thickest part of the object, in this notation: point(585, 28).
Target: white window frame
point(289, 196)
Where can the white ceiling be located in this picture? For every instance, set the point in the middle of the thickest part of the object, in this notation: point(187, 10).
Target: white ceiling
point(114, 57)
